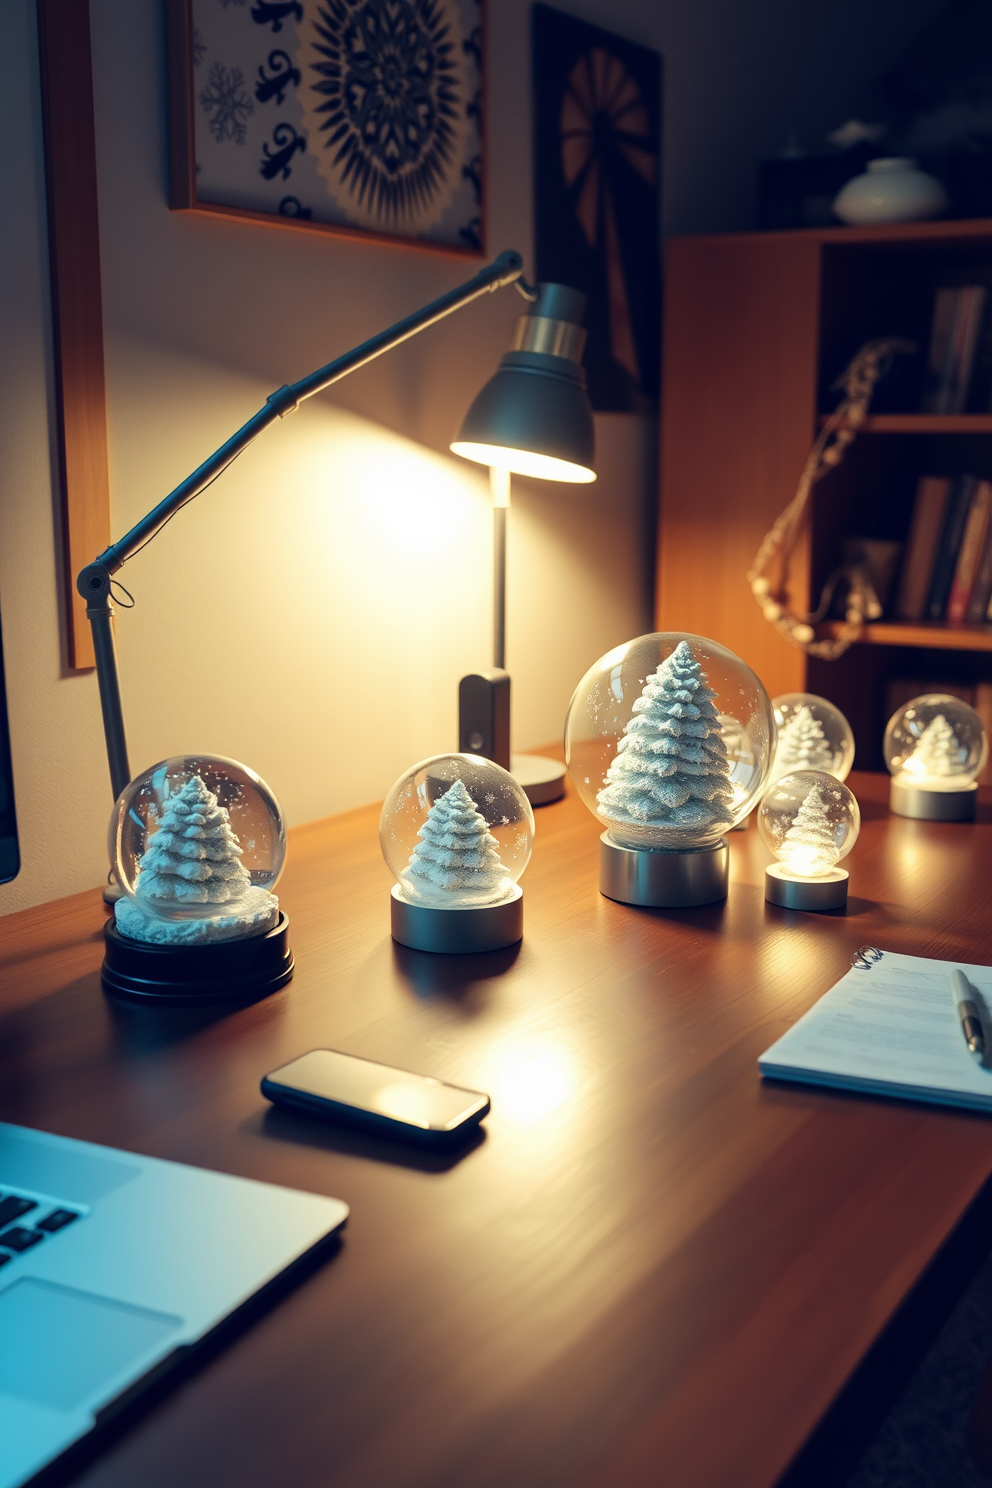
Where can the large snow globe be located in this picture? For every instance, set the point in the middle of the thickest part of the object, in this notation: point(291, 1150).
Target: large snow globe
point(197, 844)
point(812, 734)
point(668, 740)
point(935, 748)
point(810, 820)
point(456, 832)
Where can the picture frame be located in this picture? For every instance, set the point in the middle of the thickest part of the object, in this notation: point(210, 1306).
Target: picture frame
point(355, 118)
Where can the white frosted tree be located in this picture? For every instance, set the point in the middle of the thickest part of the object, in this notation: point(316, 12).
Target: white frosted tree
point(802, 744)
point(937, 751)
point(810, 845)
point(671, 768)
point(194, 857)
point(457, 859)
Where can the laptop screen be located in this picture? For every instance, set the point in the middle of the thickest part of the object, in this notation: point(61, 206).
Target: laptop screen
point(10, 859)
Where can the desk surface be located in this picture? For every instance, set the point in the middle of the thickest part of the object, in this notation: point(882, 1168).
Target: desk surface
point(652, 1268)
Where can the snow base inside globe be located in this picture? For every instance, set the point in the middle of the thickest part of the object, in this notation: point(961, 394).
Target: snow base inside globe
point(459, 930)
point(907, 798)
point(662, 878)
point(219, 971)
point(253, 914)
point(789, 891)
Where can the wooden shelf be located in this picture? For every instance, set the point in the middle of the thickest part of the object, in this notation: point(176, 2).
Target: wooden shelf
point(934, 637)
point(924, 423)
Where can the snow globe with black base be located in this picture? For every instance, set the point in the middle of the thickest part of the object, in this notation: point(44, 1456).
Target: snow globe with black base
point(669, 741)
point(456, 832)
point(197, 844)
point(935, 748)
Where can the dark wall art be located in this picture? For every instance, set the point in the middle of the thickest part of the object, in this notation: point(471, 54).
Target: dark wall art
point(597, 160)
point(355, 116)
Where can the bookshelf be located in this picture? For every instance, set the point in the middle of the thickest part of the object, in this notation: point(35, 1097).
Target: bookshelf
point(757, 328)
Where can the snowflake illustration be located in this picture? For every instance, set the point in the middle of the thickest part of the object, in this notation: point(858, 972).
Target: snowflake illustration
point(227, 103)
point(504, 821)
point(490, 797)
point(388, 77)
point(199, 48)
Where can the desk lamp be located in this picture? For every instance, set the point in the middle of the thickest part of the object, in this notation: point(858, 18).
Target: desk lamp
point(536, 430)
point(532, 418)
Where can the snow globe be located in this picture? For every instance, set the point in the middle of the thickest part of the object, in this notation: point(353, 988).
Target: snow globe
point(197, 844)
point(813, 734)
point(668, 740)
point(456, 832)
point(935, 748)
point(810, 820)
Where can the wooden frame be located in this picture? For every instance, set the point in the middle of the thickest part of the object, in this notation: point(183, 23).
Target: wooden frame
point(77, 309)
point(183, 192)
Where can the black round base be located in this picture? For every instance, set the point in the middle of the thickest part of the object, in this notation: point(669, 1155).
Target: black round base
point(230, 971)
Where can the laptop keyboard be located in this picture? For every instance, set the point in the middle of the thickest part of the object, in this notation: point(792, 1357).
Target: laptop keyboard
point(15, 1237)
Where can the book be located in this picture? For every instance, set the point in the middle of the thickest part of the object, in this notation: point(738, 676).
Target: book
point(957, 320)
point(929, 510)
point(981, 590)
point(982, 704)
point(970, 554)
point(890, 1027)
point(949, 546)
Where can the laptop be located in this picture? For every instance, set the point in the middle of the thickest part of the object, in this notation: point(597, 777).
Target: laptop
point(113, 1264)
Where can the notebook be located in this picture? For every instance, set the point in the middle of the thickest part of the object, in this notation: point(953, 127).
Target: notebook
point(891, 1027)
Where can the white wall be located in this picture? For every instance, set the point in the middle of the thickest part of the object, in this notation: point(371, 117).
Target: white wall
point(312, 612)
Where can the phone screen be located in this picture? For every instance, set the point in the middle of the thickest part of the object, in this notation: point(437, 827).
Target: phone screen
point(363, 1085)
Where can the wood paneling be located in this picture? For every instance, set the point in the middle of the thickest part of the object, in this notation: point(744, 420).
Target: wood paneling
point(77, 312)
point(653, 1269)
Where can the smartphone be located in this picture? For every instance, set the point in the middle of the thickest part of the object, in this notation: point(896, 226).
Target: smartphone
point(391, 1102)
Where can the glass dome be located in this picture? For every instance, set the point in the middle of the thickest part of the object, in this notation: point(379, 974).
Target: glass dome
point(936, 742)
point(812, 735)
point(668, 740)
point(456, 831)
point(809, 820)
point(190, 837)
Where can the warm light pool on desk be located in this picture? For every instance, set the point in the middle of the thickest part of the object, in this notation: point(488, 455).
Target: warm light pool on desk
point(810, 820)
point(935, 748)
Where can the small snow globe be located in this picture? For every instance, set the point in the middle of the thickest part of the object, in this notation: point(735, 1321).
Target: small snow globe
point(812, 734)
point(810, 821)
point(935, 748)
point(668, 740)
point(197, 844)
point(456, 832)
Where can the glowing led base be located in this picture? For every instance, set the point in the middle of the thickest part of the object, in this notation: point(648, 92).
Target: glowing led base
point(460, 930)
point(655, 879)
point(928, 803)
point(786, 889)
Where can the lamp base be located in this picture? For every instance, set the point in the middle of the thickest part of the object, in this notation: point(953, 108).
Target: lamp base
point(661, 879)
point(542, 780)
point(811, 894)
point(227, 971)
point(932, 805)
point(455, 932)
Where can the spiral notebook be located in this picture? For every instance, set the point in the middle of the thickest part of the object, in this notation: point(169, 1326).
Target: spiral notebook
point(891, 1027)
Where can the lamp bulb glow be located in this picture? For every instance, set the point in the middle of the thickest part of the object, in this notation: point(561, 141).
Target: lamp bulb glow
point(523, 462)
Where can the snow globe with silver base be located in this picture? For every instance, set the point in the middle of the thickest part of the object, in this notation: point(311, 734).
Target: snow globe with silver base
point(668, 741)
point(812, 734)
point(456, 832)
point(810, 820)
point(197, 844)
point(935, 748)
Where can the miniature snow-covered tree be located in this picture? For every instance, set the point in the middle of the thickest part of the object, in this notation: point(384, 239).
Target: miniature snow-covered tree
point(194, 858)
point(937, 751)
point(802, 745)
point(457, 861)
point(809, 847)
point(670, 777)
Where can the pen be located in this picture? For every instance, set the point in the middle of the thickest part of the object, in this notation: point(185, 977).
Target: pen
point(971, 1023)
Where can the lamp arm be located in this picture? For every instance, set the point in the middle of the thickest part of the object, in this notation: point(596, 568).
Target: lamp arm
point(94, 581)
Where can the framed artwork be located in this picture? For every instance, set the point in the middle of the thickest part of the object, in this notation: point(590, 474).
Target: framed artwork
point(357, 117)
point(597, 168)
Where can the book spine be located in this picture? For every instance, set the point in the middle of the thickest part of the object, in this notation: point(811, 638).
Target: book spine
point(939, 357)
point(981, 591)
point(969, 557)
point(971, 306)
point(950, 543)
point(929, 511)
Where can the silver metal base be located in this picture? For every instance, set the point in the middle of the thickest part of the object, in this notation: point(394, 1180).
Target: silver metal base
point(543, 780)
point(453, 932)
point(932, 805)
point(658, 879)
point(811, 894)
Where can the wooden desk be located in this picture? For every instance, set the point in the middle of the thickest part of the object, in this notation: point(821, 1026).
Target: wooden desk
point(653, 1270)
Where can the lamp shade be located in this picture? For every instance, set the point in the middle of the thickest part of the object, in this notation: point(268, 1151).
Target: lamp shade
point(533, 416)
